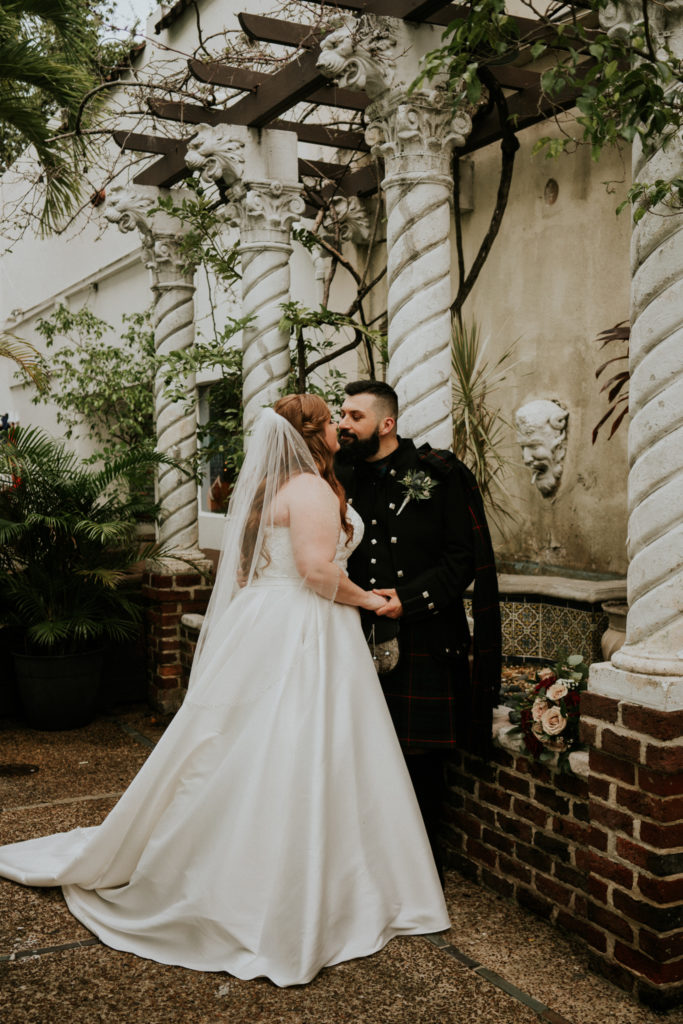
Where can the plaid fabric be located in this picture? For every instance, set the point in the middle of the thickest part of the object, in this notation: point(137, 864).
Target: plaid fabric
point(425, 693)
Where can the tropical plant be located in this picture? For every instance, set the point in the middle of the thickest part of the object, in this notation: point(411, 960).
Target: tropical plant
point(46, 67)
point(68, 544)
point(478, 429)
point(25, 355)
point(617, 385)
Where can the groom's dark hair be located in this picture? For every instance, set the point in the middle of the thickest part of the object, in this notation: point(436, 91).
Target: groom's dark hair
point(382, 392)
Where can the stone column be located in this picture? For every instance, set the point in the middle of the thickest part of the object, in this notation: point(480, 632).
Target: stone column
point(178, 587)
point(415, 134)
point(634, 711)
point(173, 290)
point(264, 199)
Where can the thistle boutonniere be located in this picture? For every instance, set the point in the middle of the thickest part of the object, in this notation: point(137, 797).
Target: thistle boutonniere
point(418, 487)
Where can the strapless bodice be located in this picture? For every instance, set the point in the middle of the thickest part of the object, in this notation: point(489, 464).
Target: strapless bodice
point(279, 548)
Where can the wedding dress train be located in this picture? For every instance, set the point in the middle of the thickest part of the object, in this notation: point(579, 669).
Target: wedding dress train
point(274, 833)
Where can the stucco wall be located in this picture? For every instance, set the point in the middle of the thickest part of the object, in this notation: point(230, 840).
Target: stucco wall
point(558, 274)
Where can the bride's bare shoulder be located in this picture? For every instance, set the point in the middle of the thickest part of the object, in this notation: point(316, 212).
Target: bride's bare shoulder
point(304, 491)
point(307, 486)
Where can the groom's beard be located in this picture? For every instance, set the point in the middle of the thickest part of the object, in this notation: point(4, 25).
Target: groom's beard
point(354, 450)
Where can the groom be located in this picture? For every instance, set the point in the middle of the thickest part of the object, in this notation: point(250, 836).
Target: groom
point(425, 540)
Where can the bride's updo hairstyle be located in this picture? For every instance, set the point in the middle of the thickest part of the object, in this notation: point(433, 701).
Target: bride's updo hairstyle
point(309, 415)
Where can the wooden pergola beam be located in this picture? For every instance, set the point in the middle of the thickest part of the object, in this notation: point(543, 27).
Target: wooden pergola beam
point(217, 73)
point(317, 134)
point(168, 171)
point(144, 143)
point(259, 27)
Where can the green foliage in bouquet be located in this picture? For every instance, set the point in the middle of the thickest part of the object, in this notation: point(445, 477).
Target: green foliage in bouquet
point(547, 714)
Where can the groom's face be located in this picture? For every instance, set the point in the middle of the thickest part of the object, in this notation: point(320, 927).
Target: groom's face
point(359, 427)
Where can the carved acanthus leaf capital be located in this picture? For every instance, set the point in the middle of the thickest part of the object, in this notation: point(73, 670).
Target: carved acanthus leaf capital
point(264, 205)
point(419, 126)
point(133, 207)
point(164, 256)
point(361, 54)
point(216, 154)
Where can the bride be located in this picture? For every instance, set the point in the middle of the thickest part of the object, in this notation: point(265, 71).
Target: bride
point(273, 830)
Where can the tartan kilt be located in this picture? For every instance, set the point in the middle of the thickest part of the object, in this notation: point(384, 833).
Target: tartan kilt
point(426, 692)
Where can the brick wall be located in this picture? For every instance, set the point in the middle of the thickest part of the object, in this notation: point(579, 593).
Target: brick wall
point(169, 596)
point(601, 857)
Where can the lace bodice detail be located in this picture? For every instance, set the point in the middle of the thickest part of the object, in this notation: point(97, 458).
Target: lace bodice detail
point(279, 546)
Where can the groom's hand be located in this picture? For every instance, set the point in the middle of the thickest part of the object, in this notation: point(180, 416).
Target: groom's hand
point(393, 609)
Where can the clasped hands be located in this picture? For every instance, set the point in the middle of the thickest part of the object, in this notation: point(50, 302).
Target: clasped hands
point(392, 607)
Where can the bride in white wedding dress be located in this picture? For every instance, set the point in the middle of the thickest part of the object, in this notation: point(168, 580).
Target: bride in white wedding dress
point(273, 830)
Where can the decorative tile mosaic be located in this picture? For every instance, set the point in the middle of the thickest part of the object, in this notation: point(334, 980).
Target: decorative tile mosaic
point(535, 628)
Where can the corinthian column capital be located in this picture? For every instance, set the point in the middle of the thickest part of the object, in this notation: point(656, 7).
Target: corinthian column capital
point(264, 209)
point(133, 207)
point(416, 132)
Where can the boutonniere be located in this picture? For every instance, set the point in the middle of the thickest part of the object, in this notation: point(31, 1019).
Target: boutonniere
point(418, 486)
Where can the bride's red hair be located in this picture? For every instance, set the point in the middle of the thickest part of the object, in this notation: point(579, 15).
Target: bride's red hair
point(309, 415)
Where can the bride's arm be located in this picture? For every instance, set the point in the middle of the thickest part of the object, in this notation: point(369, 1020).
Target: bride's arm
point(314, 528)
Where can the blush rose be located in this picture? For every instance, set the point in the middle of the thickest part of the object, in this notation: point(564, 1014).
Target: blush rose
point(553, 721)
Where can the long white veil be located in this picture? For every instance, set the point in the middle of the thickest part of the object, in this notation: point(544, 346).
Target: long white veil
point(275, 454)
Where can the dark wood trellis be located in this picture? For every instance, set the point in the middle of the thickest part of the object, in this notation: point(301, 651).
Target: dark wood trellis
point(265, 97)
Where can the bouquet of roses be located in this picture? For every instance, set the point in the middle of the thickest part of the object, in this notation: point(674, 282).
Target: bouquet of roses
point(547, 715)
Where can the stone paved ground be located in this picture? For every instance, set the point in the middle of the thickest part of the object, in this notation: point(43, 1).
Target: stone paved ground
point(497, 964)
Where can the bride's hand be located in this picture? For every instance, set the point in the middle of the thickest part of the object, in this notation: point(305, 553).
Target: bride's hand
point(373, 602)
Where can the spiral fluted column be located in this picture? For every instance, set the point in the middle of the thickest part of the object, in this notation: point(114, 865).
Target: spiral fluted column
point(414, 133)
point(265, 215)
point(649, 666)
point(415, 136)
point(176, 421)
point(654, 639)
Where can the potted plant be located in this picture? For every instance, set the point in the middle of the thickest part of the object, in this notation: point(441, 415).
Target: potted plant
point(69, 545)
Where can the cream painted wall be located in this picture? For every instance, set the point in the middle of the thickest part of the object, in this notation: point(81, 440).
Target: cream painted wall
point(558, 275)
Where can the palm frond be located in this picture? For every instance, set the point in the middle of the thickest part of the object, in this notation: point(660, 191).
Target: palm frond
point(25, 355)
point(478, 429)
